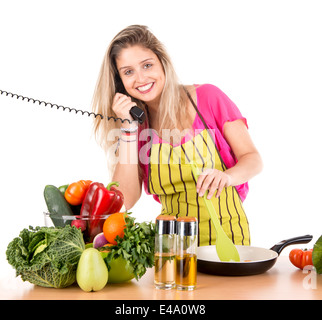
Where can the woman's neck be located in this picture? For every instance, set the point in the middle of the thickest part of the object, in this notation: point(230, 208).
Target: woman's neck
point(153, 108)
point(153, 118)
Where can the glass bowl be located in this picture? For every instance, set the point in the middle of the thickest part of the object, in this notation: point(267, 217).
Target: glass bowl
point(90, 225)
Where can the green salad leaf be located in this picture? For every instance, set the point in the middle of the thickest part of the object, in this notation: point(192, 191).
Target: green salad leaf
point(136, 247)
point(47, 256)
point(317, 255)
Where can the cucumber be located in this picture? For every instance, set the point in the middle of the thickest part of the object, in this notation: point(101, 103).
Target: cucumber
point(57, 205)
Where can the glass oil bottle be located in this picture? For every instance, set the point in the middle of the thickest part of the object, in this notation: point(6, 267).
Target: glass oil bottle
point(186, 254)
point(165, 252)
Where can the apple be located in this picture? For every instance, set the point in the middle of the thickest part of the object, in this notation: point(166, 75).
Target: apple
point(120, 271)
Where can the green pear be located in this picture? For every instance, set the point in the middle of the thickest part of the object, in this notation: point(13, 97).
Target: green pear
point(92, 273)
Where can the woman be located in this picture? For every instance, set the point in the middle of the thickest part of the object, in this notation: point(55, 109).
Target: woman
point(201, 124)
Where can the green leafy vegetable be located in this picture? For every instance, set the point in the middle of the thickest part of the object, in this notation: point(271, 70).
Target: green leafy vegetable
point(45, 256)
point(317, 255)
point(136, 247)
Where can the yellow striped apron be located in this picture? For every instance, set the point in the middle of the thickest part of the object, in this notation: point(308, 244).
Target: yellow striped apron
point(171, 179)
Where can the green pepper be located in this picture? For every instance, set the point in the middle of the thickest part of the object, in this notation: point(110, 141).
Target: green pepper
point(63, 188)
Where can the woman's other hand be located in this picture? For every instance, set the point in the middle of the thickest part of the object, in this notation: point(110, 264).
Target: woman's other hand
point(212, 180)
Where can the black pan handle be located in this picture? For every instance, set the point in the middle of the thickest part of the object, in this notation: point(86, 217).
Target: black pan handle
point(281, 245)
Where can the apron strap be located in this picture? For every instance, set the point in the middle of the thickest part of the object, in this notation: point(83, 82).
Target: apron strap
point(196, 108)
point(205, 124)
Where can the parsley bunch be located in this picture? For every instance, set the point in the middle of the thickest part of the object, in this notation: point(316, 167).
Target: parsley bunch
point(136, 247)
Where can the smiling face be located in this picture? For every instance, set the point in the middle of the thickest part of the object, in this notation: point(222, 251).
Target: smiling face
point(142, 74)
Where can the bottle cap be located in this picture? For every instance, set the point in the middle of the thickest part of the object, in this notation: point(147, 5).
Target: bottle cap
point(165, 224)
point(187, 226)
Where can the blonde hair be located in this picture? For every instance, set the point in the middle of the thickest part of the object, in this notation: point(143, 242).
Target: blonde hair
point(172, 102)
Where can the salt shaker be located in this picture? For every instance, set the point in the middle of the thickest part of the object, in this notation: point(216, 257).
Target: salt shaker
point(186, 254)
point(165, 250)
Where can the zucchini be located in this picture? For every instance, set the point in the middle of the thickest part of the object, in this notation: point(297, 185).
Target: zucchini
point(57, 205)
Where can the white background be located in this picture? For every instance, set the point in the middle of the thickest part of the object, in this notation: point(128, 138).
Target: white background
point(265, 55)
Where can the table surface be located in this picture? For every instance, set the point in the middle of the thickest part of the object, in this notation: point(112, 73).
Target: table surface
point(283, 281)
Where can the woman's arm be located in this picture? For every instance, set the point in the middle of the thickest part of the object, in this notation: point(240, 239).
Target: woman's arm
point(249, 162)
point(126, 172)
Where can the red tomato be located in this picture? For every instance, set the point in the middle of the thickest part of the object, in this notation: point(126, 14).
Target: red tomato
point(301, 258)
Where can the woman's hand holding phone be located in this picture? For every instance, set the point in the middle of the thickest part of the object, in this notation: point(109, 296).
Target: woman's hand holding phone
point(122, 105)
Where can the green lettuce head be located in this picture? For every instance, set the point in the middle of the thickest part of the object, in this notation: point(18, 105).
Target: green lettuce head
point(47, 256)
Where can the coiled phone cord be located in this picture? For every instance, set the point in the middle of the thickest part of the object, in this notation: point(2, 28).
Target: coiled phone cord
point(52, 105)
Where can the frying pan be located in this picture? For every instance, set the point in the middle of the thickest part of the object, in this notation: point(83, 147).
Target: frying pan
point(253, 260)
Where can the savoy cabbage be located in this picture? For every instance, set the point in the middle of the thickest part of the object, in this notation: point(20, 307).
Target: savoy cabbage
point(47, 256)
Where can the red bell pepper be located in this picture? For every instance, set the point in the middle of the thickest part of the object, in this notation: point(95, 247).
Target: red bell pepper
point(87, 202)
point(100, 201)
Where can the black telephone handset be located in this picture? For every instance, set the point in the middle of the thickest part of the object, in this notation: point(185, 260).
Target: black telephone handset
point(137, 114)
